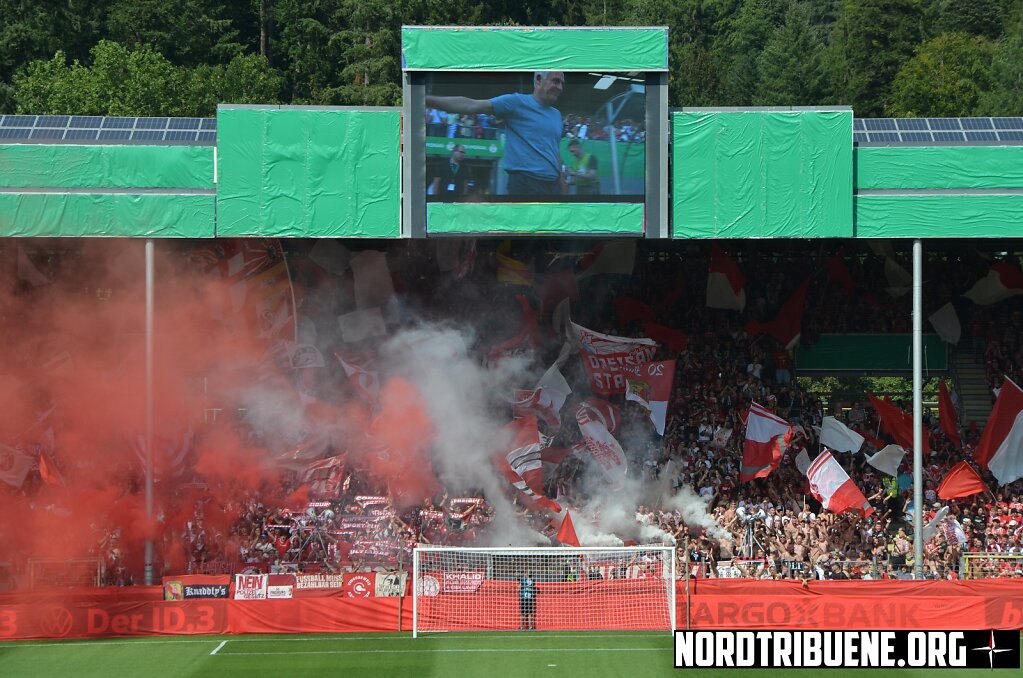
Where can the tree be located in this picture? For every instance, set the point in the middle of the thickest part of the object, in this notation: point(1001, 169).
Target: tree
point(185, 32)
point(1005, 94)
point(739, 45)
point(120, 81)
point(945, 78)
point(792, 65)
point(871, 40)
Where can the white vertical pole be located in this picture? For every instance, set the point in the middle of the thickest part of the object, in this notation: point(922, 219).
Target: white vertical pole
point(415, 591)
point(918, 509)
point(673, 583)
point(149, 410)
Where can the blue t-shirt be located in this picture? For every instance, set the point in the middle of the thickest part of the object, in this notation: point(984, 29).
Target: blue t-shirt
point(533, 143)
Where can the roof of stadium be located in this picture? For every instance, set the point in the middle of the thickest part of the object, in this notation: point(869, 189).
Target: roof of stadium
point(94, 129)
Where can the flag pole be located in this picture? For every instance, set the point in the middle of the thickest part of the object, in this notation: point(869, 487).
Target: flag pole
point(149, 413)
point(918, 518)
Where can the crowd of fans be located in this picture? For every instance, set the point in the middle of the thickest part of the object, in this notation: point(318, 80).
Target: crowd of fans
point(352, 523)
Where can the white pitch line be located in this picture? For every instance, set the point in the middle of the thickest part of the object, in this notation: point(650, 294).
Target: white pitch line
point(310, 639)
point(217, 649)
point(460, 650)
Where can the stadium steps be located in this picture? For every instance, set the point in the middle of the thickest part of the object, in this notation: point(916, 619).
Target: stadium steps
point(974, 394)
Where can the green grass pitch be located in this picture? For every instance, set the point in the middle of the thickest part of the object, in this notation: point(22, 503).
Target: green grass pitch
point(488, 655)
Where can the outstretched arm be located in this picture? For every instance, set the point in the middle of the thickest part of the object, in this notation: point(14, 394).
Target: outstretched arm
point(463, 105)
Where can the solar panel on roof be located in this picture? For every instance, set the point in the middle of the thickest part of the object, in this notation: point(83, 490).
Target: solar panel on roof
point(211, 137)
point(885, 137)
point(114, 134)
point(52, 120)
point(85, 121)
point(118, 123)
point(976, 123)
point(14, 132)
point(47, 133)
point(209, 123)
point(80, 134)
point(857, 123)
point(879, 124)
point(949, 136)
point(183, 123)
point(943, 123)
point(150, 123)
point(17, 121)
point(1007, 123)
point(1014, 135)
point(988, 135)
point(911, 123)
point(916, 136)
point(860, 137)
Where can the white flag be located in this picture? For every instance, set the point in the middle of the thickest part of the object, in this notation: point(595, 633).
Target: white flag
point(887, 460)
point(946, 323)
point(838, 436)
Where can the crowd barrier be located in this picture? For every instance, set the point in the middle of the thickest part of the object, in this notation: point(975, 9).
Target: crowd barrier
point(707, 604)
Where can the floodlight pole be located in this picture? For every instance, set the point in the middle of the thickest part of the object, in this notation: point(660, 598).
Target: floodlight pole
point(149, 412)
point(918, 509)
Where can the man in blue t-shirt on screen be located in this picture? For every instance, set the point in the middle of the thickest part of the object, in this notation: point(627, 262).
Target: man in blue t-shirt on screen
point(532, 151)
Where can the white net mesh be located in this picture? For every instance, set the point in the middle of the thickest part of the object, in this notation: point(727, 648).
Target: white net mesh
point(630, 588)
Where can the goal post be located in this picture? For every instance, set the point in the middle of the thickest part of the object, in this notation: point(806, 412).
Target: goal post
point(549, 588)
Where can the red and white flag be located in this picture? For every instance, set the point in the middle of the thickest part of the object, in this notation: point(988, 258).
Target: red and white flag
point(607, 357)
point(596, 430)
point(1001, 282)
point(787, 325)
point(725, 282)
point(961, 481)
point(767, 436)
point(650, 386)
point(14, 465)
point(546, 400)
point(948, 418)
point(325, 477)
point(834, 488)
point(523, 465)
point(364, 378)
point(1000, 450)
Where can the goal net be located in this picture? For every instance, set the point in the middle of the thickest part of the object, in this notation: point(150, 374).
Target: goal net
point(503, 589)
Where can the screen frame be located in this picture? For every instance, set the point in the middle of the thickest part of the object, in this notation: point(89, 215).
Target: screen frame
point(414, 200)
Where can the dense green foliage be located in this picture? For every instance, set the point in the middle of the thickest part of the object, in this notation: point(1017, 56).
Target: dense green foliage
point(182, 57)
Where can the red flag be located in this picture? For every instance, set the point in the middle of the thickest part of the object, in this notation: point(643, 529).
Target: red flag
point(566, 533)
point(839, 272)
point(898, 423)
point(556, 286)
point(787, 325)
point(961, 481)
point(47, 471)
point(999, 450)
point(675, 340)
point(947, 415)
point(725, 282)
point(628, 309)
point(605, 358)
point(1004, 280)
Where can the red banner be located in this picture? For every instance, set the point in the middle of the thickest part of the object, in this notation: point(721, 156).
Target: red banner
point(712, 604)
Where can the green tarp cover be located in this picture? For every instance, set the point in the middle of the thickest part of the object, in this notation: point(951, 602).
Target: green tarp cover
point(295, 173)
point(106, 214)
point(534, 218)
point(939, 216)
point(922, 167)
point(762, 174)
point(105, 166)
point(534, 49)
point(870, 353)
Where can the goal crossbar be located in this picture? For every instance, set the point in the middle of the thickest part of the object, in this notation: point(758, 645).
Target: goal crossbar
point(543, 588)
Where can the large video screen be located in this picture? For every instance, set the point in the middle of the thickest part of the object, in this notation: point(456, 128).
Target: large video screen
point(535, 137)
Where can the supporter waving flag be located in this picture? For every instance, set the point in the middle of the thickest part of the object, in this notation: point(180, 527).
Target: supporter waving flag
point(767, 436)
point(597, 421)
point(523, 465)
point(1000, 450)
point(947, 415)
point(833, 487)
